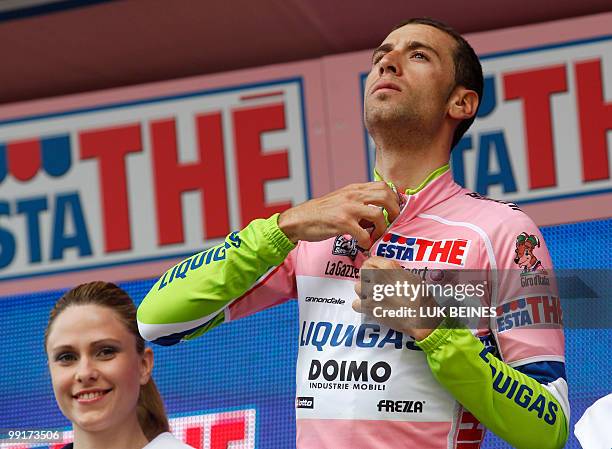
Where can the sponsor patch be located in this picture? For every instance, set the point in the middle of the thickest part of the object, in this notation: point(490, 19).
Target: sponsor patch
point(525, 257)
point(529, 311)
point(348, 374)
point(524, 396)
point(323, 334)
point(420, 249)
point(340, 268)
point(389, 406)
point(345, 247)
point(304, 402)
point(339, 301)
point(534, 279)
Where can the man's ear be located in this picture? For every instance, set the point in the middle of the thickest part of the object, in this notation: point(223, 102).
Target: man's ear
point(463, 103)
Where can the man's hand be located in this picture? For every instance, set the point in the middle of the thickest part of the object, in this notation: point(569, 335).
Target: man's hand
point(346, 211)
point(415, 327)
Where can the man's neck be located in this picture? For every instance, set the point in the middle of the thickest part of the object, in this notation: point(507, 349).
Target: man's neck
point(406, 158)
point(408, 168)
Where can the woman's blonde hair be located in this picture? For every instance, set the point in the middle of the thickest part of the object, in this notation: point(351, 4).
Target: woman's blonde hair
point(151, 412)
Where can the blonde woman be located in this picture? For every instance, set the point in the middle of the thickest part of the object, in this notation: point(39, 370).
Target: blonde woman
point(101, 372)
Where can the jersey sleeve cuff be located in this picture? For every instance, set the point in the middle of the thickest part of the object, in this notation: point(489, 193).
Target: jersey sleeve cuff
point(439, 336)
point(276, 237)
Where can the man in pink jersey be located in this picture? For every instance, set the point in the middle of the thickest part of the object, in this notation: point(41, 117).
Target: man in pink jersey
point(365, 382)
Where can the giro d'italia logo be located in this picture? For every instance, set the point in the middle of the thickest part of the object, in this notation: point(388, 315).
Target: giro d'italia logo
point(525, 253)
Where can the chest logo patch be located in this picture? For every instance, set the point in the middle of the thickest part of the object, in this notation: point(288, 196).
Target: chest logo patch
point(345, 247)
point(420, 249)
point(526, 248)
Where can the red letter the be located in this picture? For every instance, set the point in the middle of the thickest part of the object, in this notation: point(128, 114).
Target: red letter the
point(173, 178)
point(224, 432)
point(535, 88)
point(595, 120)
point(193, 437)
point(254, 168)
point(110, 146)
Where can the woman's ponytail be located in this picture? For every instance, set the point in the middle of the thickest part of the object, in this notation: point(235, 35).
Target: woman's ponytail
point(151, 411)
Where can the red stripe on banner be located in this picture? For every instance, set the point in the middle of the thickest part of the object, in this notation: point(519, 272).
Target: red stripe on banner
point(24, 159)
point(264, 95)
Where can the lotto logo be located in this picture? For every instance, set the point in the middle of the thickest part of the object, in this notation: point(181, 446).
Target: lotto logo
point(304, 402)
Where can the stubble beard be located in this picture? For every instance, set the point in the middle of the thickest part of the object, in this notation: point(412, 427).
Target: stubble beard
point(394, 124)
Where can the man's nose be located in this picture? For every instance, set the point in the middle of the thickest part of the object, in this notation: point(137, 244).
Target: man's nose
point(389, 64)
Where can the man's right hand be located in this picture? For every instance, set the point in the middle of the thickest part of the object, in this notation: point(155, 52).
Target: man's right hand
point(348, 210)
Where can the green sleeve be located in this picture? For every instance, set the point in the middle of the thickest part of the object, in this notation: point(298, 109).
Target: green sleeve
point(190, 297)
point(511, 404)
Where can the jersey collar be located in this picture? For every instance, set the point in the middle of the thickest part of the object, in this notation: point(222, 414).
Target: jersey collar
point(433, 175)
point(437, 187)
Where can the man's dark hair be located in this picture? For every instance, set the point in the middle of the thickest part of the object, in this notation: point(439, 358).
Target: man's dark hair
point(468, 71)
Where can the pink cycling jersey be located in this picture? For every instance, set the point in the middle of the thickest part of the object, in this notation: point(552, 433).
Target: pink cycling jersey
point(360, 384)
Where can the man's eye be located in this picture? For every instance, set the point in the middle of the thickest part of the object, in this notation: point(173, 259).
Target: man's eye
point(419, 55)
point(377, 58)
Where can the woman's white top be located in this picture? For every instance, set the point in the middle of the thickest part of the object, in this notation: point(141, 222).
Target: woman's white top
point(594, 430)
point(166, 441)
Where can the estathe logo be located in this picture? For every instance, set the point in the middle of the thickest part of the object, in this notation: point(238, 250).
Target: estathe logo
point(98, 187)
point(542, 310)
point(420, 249)
point(304, 402)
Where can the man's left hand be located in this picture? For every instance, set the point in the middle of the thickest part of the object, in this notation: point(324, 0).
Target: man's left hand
point(415, 327)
